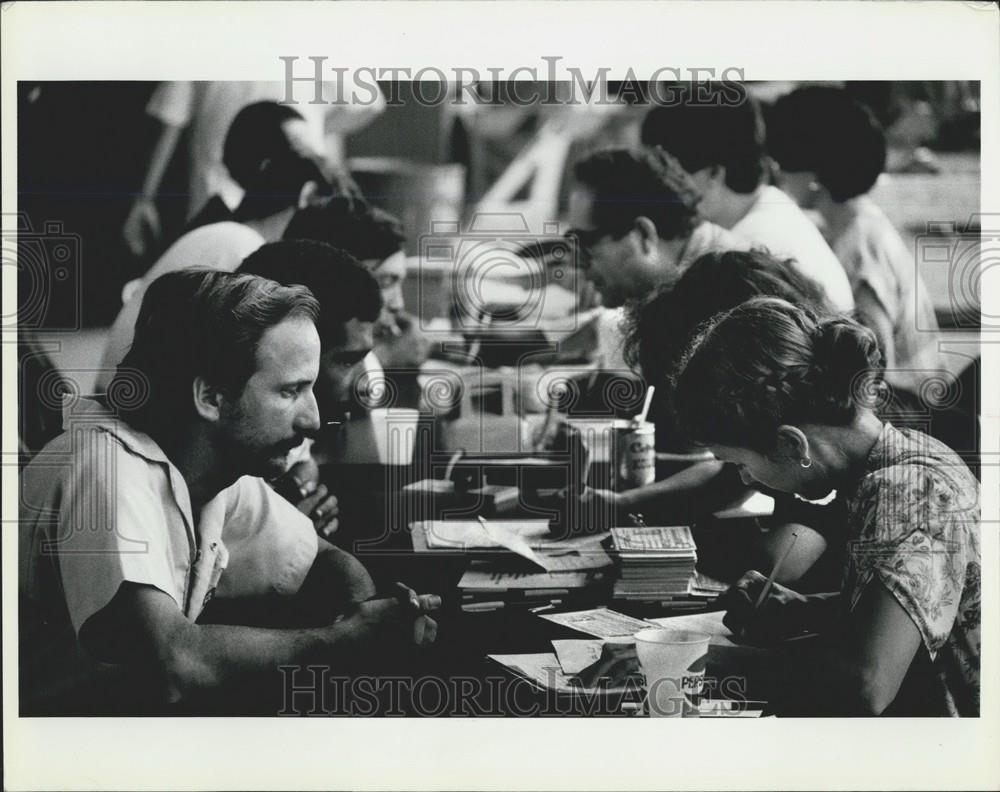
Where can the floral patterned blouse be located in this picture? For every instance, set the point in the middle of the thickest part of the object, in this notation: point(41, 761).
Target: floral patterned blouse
point(914, 526)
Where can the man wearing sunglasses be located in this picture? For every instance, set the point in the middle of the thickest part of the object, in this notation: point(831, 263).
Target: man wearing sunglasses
point(635, 215)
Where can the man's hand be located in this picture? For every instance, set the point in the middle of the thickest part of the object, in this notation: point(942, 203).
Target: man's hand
point(301, 486)
point(780, 615)
point(407, 349)
point(403, 618)
point(617, 663)
point(321, 507)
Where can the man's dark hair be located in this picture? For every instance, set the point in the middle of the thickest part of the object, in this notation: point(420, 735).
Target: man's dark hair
point(823, 129)
point(658, 329)
point(710, 126)
point(640, 182)
point(265, 163)
point(344, 288)
point(198, 323)
point(351, 224)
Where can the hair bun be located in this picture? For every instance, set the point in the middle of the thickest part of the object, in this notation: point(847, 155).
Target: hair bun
point(847, 362)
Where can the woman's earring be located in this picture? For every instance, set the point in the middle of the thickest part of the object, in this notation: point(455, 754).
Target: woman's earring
point(806, 462)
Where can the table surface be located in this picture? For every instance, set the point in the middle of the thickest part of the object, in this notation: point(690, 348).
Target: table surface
point(456, 676)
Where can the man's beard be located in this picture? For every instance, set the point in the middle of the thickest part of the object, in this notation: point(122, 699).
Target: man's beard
point(267, 462)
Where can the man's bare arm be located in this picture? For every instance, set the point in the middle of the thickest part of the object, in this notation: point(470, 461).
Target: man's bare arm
point(143, 626)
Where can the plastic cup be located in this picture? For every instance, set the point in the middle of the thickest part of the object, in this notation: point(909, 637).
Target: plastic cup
point(395, 432)
point(673, 662)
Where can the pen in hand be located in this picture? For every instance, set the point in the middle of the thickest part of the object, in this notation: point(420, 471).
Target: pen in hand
point(775, 571)
point(407, 597)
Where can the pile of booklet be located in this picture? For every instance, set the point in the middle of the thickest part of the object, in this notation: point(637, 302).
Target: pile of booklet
point(655, 564)
point(518, 563)
point(486, 586)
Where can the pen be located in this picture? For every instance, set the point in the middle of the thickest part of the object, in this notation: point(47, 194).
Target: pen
point(774, 572)
point(546, 608)
point(406, 596)
point(476, 607)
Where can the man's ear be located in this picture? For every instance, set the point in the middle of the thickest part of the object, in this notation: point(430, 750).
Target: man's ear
point(793, 444)
point(207, 399)
point(649, 237)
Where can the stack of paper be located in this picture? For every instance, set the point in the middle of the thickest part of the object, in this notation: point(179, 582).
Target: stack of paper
point(489, 586)
point(654, 563)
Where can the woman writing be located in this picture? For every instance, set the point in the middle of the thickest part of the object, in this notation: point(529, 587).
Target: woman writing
point(789, 400)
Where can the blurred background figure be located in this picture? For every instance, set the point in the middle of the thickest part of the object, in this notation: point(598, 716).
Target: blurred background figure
point(831, 150)
point(719, 140)
point(375, 238)
point(267, 152)
point(205, 111)
point(635, 215)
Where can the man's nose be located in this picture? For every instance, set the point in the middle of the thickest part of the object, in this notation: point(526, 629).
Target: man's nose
point(308, 418)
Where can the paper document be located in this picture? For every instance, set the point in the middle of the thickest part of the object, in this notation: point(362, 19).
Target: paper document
point(729, 708)
point(470, 534)
point(601, 622)
point(709, 623)
point(505, 537)
point(501, 580)
point(544, 670)
point(672, 539)
point(574, 560)
point(574, 656)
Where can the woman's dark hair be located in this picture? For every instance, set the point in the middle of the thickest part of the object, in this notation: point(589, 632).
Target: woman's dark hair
point(823, 129)
point(658, 329)
point(349, 223)
point(710, 124)
point(198, 323)
point(263, 160)
point(344, 288)
point(641, 182)
point(766, 363)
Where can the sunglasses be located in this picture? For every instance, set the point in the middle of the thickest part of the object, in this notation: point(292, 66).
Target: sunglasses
point(586, 237)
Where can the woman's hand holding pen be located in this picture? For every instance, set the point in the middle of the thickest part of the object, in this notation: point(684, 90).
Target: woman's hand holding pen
point(760, 612)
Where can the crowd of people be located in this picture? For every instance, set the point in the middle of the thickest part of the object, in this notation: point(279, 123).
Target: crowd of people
point(185, 545)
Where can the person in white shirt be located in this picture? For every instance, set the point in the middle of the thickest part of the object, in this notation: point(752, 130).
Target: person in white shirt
point(206, 110)
point(152, 503)
point(636, 216)
point(268, 152)
point(374, 237)
point(719, 140)
point(831, 151)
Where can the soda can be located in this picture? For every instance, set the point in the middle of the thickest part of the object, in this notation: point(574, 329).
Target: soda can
point(635, 454)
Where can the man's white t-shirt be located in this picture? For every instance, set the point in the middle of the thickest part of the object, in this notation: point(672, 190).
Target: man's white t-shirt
point(218, 246)
point(776, 222)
